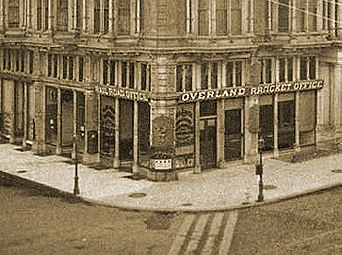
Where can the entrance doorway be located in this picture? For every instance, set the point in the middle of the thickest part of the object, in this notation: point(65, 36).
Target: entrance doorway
point(233, 136)
point(286, 121)
point(266, 126)
point(208, 143)
point(126, 129)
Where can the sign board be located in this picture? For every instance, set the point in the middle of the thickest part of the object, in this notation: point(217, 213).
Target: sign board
point(122, 93)
point(163, 164)
point(262, 89)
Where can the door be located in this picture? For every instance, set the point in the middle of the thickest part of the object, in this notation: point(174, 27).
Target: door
point(208, 148)
point(233, 135)
point(286, 122)
point(266, 126)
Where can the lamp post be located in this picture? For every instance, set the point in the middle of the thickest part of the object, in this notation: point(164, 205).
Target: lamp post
point(259, 170)
point(76, 188)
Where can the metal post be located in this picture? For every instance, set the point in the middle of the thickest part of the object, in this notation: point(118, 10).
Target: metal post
point(76, 187)
point(260, 195)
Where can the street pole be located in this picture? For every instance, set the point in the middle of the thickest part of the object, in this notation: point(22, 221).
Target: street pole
point(76, 188)
point(260, 171)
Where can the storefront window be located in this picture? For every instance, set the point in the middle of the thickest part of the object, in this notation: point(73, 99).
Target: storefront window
point(185, 135)
point(107, 126)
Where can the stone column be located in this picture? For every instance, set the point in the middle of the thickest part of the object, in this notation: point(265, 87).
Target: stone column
point(2, 27)
point(90, 125)
point(116, 162)
point(51, 15)
point(39, 146)
point(197, 169)
point(339, 19)
point(85, 16)
point(74, 123)
point(25, 114)
point(59, 122)
point(91, 128)
point(294, 17)
point(275, 112)
point(74, 15)
point(275, 127)
point(110, 17)
point(220, 134)
point(135, 139)
point(251, 17)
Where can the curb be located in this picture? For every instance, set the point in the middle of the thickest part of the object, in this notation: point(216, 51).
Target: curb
point(39, 186)
point(29, 183)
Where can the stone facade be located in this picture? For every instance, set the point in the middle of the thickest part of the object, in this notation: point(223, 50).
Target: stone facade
point(129, 76)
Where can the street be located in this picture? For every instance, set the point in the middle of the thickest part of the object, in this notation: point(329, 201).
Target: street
point(41, 222)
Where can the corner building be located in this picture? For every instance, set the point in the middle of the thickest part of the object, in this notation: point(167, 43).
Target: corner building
point(198, 81)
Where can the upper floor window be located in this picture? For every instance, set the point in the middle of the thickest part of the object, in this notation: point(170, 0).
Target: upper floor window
point(219, 17)
point(42, 14)
point(285, 69)
point(266, 71)
point(124, 14)
point(101, 16)
point(184, 77)
point(233, 73)
point(283, 16)
point(145, 77)
point(62, 15)
point(308, 68)
point(13, 14)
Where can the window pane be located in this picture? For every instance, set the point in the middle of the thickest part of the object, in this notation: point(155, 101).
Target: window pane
point(188, 77)
point(283, 16)
point(221, 17)
point(124, 17)
point(179, 78)
point(229, 74)
point(203, 17)
point(236, 17)
point(214, 76)
point(238, 73)
point(204, 76)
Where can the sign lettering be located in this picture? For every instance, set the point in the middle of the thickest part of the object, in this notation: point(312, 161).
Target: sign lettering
point(262, 89)
point(122, 93)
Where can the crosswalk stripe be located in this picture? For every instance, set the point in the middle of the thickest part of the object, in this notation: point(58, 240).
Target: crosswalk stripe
point(213, 233)
point(197, 234)
point(228, 233)
point(181, 235)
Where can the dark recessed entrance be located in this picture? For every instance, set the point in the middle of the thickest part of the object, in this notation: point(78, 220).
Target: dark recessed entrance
point(233, 136)
point(208, 149)
point(286, 122)
point(126, 130)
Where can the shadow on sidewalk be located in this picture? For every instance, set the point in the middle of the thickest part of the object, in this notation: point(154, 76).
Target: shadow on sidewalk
point(31, 189)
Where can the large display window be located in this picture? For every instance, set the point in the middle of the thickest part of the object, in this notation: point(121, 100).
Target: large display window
point(185, 135)
point(107, 131)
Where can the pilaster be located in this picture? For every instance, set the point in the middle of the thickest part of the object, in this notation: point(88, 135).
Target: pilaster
point(39, 146)
point(59, 123)
point(197, 169)
point(91, 128)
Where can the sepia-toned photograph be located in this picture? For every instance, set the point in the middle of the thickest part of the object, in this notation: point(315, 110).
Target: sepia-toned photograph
point(174, 127)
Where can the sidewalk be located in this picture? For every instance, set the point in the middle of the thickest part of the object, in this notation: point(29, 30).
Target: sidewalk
point(212, 190)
